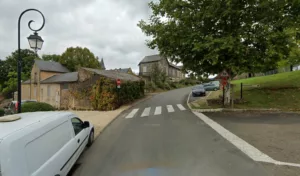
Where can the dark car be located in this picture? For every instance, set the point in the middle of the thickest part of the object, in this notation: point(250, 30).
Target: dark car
point(198, 91)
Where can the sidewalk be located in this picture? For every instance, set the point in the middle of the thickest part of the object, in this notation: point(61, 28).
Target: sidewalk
point(101, 119)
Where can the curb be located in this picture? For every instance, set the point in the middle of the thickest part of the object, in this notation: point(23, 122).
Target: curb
point(234, 110)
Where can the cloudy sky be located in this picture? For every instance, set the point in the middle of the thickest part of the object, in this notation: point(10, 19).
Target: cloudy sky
point(107, 27)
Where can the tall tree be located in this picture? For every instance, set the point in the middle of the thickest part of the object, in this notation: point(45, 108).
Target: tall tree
point(209, 36)
point(73, 58)
point(51, 57)
point(10, 64)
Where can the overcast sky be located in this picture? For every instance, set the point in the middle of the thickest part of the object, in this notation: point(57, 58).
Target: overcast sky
point(107, 27)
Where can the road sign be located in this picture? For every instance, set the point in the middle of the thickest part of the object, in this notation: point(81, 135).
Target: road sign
point(224, 74)
point(224, 82)
point(118, 83)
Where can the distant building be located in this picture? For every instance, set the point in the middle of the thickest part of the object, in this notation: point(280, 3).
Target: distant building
point(173, 72)
point(125, 70)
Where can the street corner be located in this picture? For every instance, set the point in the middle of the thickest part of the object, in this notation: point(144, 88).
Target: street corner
point(274, 134)
point(200, 103)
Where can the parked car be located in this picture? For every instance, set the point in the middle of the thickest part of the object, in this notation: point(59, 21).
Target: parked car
point(210, 87)
point(12, 108)
point(42, 143)
point(198, 91)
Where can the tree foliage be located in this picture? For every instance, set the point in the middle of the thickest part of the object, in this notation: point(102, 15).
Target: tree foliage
point(157, 75)
point(73, 58)
point(209, 36)
point(8, 69)
point(51, 57)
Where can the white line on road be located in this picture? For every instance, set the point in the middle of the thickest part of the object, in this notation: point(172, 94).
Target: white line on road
point(181, 107)
point(132, 113)
point(157, 110)
point(146, 112)
point(245, 147)
point(170, 108)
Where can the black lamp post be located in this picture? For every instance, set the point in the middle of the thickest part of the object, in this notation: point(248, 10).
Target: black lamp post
point(35, 42)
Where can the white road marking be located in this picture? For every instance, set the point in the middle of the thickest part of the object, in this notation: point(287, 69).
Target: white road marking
point(170, 108)
point(181, 107)
point(245, 147)
point(157, 110)
point(146, 112)
point(132, 113)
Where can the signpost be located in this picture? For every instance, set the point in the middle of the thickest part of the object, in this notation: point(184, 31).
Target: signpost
point(118, 83)
point(224, 81)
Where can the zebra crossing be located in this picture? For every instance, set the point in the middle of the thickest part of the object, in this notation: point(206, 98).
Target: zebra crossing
point(157, 111)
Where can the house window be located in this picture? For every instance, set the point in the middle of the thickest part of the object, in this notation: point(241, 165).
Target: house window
point(144, 68)
point(65, 86)
point(48, 91)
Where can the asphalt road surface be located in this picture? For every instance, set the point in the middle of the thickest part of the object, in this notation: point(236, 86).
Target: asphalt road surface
point(161, 137)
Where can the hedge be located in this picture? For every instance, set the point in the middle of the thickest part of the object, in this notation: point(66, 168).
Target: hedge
point(106, 96)
point(36, 106)
point(2, 112)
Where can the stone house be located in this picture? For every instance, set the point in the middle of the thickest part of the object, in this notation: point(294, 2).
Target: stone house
point(174, 72)
point(125, 70)
point(51, 83)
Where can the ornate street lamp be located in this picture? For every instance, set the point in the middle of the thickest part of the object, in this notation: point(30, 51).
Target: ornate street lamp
point(35, 42)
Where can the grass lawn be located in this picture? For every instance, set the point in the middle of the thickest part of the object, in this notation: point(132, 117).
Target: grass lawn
point(280, 91)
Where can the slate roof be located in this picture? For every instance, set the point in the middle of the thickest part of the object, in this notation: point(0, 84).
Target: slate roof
point(123, 70)
point(63, 78)
point(51, 66)
point(114, 74)
point(157, 57)
point(152, 58)
point(26, 82)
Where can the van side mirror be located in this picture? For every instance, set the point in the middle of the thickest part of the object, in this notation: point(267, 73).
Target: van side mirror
point(86, 124)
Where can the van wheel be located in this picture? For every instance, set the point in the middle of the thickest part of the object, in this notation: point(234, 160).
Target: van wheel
point(91, 138)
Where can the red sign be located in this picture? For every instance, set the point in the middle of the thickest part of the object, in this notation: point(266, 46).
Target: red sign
point(224, 81)
point(118, 82)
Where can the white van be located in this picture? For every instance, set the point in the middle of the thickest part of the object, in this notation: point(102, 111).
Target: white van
point(42, 143)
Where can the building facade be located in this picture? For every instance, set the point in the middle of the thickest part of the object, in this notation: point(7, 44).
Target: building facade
point(172, 71)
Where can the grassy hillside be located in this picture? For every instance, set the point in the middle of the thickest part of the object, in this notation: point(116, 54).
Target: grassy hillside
point(281, 91)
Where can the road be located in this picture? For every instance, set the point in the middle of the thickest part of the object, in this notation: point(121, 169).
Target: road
point(161, 137)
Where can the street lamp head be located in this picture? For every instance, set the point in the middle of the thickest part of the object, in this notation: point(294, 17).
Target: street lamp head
point(35, 41)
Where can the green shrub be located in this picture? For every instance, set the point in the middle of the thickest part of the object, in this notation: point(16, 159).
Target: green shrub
point(167, 86)
point(150, 86)
point(173, 85)
point(2, 112)
point(36, 106)
point(160, 85)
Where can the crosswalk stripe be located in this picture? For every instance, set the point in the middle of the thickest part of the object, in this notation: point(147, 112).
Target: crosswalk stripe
point(132, 113)
point(170, 108)
point(181, 107)
point(157, 110)
point(146, 112)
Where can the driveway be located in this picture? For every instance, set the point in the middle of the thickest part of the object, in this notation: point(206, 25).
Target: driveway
point(161, 137)
point(275, 134)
